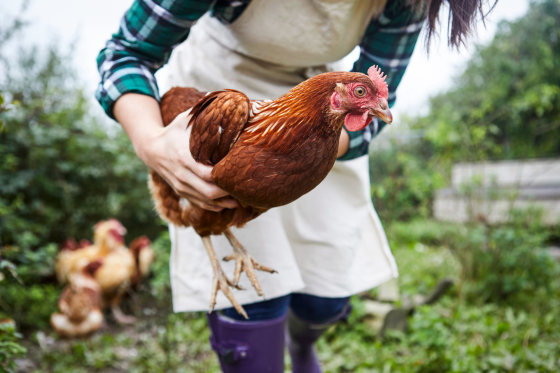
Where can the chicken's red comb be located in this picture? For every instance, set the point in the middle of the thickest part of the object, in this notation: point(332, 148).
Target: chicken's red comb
point(139, 243)
point(378, 78)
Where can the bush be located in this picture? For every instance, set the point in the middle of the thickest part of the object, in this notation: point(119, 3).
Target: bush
point(27, 293)
point(506, 263)
point(160, 283)
point(62, 169)
point(426, 231)
point(403, 182)
point(9, 346)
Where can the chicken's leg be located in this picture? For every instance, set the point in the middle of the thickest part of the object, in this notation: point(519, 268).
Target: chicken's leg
point(119, 316)
point(245, 263)
point(220, 281)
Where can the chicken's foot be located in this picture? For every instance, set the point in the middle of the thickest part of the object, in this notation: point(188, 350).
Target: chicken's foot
point(120, 317)
point(118, 314)
point(220, 281)
point(245, 263)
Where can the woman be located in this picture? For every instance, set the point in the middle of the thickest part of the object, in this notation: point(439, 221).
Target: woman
point(327, 245)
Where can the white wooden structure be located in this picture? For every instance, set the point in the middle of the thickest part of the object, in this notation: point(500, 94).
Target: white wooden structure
point(496, 187)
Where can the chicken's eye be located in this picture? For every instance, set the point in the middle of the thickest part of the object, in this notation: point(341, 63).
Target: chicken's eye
point(360, 91)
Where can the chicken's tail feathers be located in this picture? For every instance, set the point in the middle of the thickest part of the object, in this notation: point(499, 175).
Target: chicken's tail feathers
point(167, 202)
point(178, 100)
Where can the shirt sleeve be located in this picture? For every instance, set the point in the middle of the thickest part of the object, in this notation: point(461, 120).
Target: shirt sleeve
point(148, 32)
point(388, 43)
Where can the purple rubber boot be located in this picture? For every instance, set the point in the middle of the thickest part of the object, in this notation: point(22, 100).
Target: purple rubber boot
point(248, 346)
point(301, 339)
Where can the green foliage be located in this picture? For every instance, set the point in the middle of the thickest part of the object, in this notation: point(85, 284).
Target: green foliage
point(424, 231)
point(166, 343)
point(3, 108)
point(30, 305)
point(506, 104)
point(423, 255)
point(507, 263)
point(33, 266)
point(403, 181)
point(503, 264)
point(9, 346)
point(450, 336)
point(159, 282)
point(27, 294)
point(61, 170)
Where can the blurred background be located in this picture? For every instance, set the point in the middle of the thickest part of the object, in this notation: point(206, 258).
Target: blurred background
point(466, 182)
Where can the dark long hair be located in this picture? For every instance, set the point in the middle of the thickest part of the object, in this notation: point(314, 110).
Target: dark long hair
point(463, 15)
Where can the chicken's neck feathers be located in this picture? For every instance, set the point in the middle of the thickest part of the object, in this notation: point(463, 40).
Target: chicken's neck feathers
point(281, 117)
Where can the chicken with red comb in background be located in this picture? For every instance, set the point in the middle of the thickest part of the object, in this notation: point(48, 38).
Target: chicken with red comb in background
point(73, 257)
point(143, 255)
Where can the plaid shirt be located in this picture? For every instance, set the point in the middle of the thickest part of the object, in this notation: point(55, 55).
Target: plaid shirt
point(150, 30)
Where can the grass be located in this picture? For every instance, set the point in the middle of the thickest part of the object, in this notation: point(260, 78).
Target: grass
point(175, 343)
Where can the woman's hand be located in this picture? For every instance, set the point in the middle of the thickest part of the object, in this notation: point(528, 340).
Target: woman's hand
point(166, 151)
point(343, 143)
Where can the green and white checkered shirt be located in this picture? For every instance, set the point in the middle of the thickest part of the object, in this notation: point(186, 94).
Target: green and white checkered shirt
point(150, 29)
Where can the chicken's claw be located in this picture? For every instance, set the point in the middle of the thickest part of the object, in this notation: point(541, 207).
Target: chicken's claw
point(220, 281)
point(245, 263)
point(121, 318)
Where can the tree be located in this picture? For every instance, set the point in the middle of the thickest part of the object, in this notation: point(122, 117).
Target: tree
point(506, 104)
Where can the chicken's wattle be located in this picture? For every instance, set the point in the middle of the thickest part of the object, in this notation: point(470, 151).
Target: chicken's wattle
point(356, 121)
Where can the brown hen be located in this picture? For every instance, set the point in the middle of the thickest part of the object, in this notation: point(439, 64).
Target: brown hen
point(79, 304)
point(264, 153)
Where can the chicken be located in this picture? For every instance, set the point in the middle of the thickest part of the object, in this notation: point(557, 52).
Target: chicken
point(115, 277)
point(264, 153)
point(80, 302)
point(143, 256)
point(73, 257)
point(122, 269)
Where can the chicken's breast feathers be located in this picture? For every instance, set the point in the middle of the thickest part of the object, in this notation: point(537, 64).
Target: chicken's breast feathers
point(117, 270)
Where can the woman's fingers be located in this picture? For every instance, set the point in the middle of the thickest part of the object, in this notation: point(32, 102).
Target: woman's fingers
point(227, 202)
point(202, 193)
point(189, 178)
point(190, 183)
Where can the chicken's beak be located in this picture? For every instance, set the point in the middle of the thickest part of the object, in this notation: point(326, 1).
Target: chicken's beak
point(382, 111)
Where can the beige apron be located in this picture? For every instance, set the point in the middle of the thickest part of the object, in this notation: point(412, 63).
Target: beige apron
point(329, 242)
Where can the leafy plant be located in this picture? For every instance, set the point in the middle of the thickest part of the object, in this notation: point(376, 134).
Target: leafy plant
point(62, 169)
point(159, 282)
point(403, 182)
point(10, 348)
point(507, 263)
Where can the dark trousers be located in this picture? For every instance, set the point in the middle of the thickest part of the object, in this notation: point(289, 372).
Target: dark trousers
point(311, 308)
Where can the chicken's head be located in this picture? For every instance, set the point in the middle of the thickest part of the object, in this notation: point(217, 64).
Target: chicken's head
point(139, 243)
point(362, 99)
point(109, 232)
point(70, 245)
